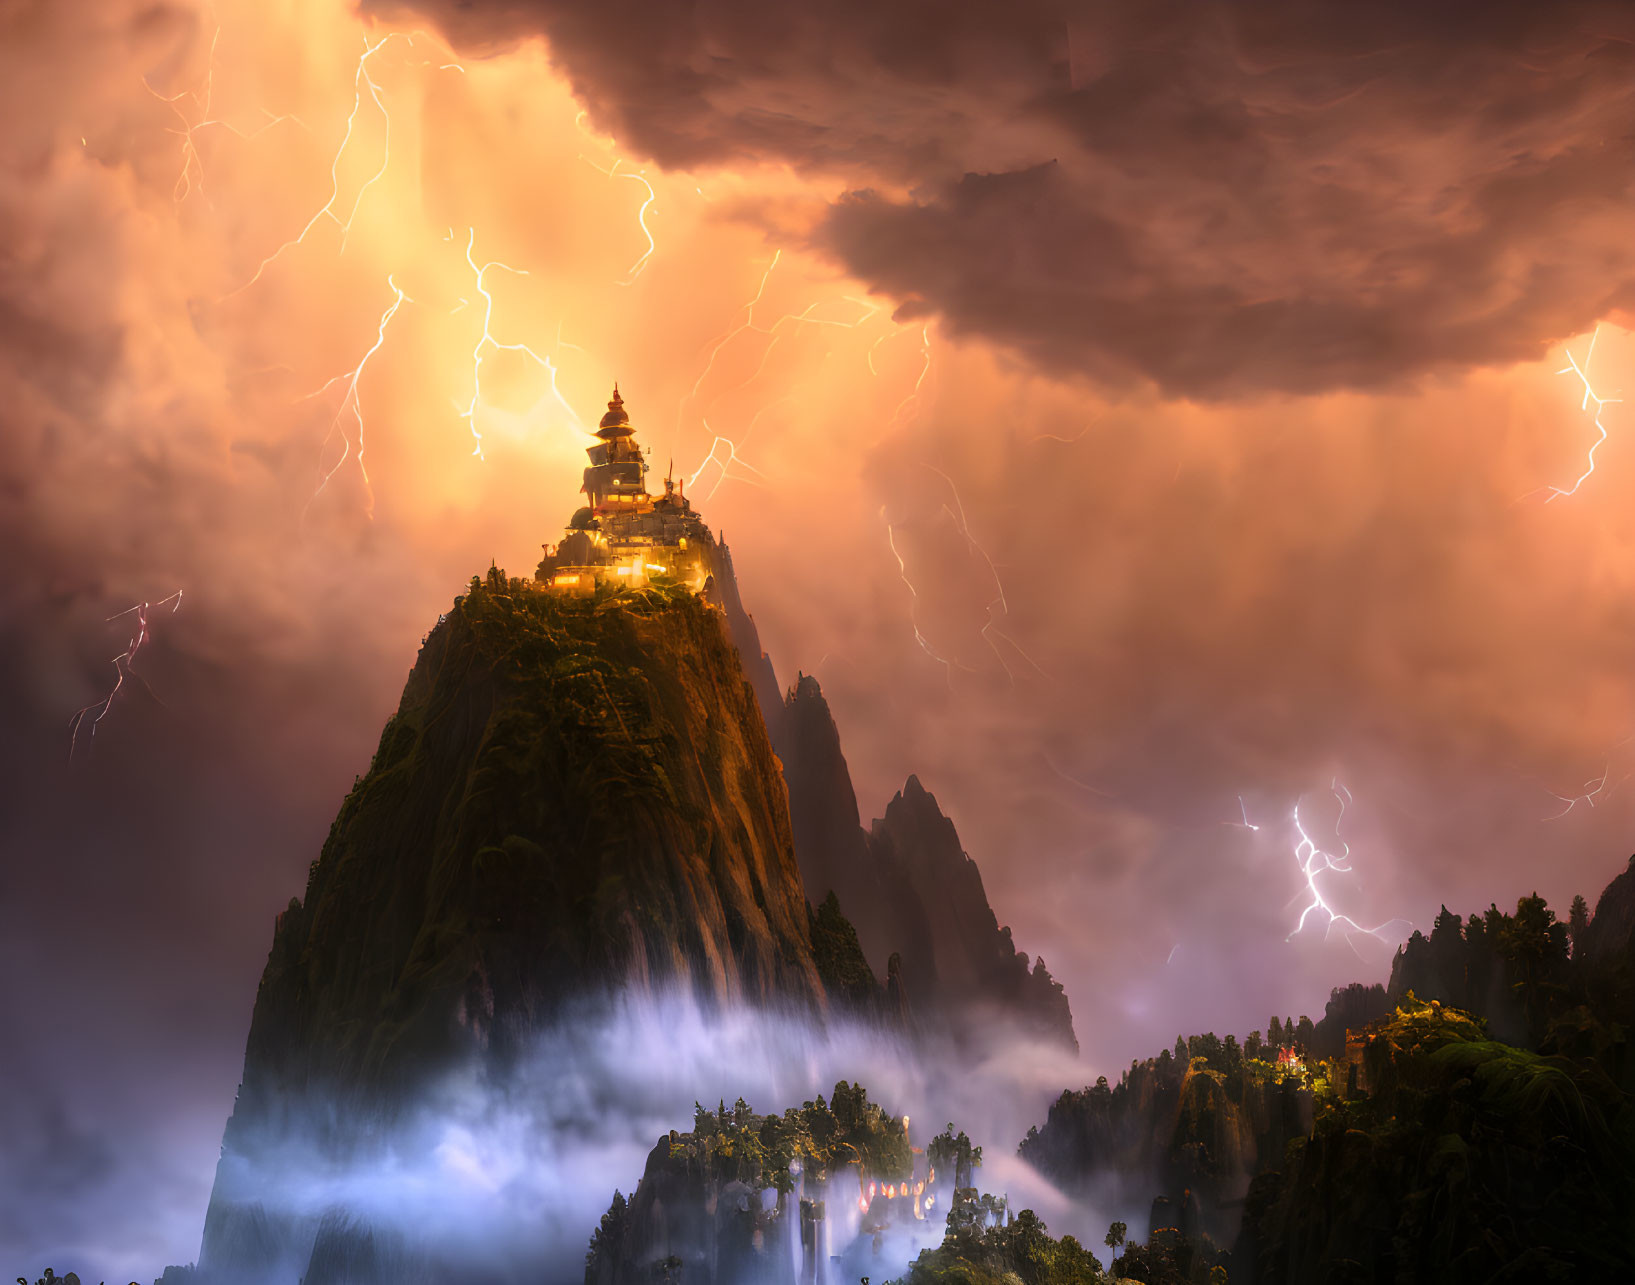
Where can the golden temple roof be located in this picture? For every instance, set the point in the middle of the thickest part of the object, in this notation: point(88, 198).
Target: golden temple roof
point(616, 423)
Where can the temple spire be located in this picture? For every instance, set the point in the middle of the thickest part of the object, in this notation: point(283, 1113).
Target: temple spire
point(616, 423)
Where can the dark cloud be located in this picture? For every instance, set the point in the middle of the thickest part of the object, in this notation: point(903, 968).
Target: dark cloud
point(1223, 199)
point(1143, 608)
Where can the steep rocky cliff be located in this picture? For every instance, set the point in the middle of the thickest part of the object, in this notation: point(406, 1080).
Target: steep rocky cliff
point(1186, 1133)
point(763, 680)
point(575, 795)
point(833, 847)
point(911, 891)
point(981, 979)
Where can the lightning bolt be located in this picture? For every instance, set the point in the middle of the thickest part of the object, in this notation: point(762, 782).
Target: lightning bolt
point(1596, 787)
point(1245, 823)
point(486, 341)
point(914, 396)
point(364, 86)
point(1590, 395)
point(640, 264)
point(732, 333)
point(724, 463)
point(351, 403)
point(1314, 861)
point(1000, 602)
point(123, 665)
point(1071, 780)
point(192, 162)
point(613, 171)
point(913, 608)
point(775, 332)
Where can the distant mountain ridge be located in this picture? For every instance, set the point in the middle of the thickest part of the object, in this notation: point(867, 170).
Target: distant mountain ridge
point(911, 890)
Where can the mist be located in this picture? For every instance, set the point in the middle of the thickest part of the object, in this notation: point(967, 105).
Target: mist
point(506, 1180)
point(1103, 583)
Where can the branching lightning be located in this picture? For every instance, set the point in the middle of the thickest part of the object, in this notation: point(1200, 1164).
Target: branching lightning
point(724, 463)
point(363, 85)
point(775, 331)
point(614, 171)
point(486, 341)
point(1314, 861)
point(1600, 403)
point(913, 609)
point(913, 398)
point(351, 403)
point(1597, 787)
point(123, 665)
point(640, 265)
point(192, 162)
point(972, 545)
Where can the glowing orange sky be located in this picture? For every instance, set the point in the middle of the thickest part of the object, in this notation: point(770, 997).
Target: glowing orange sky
point(1128, 594)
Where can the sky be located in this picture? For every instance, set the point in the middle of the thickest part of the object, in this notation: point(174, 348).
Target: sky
point(1145, 420)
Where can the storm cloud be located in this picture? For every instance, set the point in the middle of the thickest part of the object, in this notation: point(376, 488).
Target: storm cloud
point(1138, 419)
point(1221, 199)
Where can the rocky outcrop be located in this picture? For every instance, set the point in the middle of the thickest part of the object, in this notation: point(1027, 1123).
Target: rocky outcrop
point(748, 1199)
point(763, 680)
point(575, 796)
point(980, 977)
point(1469, 1160)
point(1609, 938)
point(1195, 1132)
point(833, 848)
point(911, 891)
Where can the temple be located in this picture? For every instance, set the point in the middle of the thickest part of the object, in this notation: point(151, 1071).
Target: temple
point(623, 534)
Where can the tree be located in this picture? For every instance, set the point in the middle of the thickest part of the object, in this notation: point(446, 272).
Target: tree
point(1578, 919)
point(605, 1239)
point(1532, 939)
point(1274, 1033)
point(1252, 1046)
point(1116, 1234)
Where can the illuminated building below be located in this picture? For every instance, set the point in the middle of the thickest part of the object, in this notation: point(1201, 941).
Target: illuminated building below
point(624, 535)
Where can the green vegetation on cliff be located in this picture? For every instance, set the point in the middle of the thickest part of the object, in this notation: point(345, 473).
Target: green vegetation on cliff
point(1023, 1250)
point(1190, 1128)
point(841, 966)
point(1466, 1160)
point(574, 793)
point(699, 1203)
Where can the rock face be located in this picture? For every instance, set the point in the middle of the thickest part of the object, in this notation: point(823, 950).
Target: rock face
point(833, 848)
point(1195, 1133)
point(1609, 938)
point(1468, 1160)
point(748, 1199)
point(741, 627)
point(575, 795)
point(911, 891)
point(980, 975)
